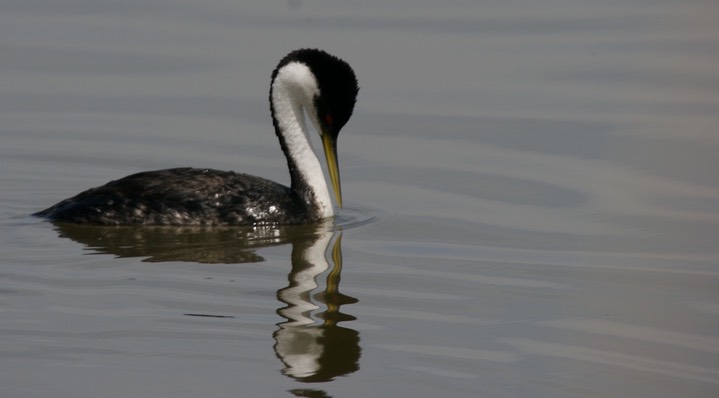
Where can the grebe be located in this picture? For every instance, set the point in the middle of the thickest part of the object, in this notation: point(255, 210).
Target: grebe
point(306, 80)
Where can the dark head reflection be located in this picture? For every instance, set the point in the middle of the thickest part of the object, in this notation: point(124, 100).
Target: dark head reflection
point(311, 344)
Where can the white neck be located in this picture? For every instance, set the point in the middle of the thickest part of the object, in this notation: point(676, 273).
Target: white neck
point(293, 90)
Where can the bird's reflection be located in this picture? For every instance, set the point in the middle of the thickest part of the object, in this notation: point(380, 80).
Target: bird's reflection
point(309, 342)
point(212, 245)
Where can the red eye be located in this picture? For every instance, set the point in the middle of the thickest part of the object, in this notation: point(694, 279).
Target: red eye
point(328, 119)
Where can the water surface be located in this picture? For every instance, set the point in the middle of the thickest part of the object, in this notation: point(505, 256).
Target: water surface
point(531, 188)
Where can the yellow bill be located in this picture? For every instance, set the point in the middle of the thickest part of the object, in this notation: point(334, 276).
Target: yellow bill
point(331, 155)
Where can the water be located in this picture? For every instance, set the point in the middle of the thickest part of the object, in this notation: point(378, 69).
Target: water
point(531, 187)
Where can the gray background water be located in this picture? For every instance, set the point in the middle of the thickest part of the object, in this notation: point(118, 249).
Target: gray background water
point(542, 180)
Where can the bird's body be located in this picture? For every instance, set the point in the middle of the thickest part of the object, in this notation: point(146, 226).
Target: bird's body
point(305, 80)
point(184, 196)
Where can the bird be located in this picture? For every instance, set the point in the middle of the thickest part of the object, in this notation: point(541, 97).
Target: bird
point(307, 80)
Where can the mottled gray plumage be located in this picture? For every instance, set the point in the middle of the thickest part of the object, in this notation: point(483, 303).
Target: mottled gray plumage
point(184, 196)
